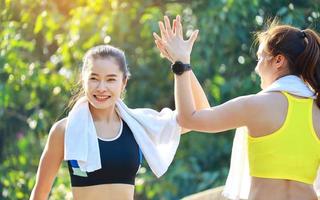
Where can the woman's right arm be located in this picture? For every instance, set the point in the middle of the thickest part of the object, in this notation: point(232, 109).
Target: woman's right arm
point(200, 99)
point(50, 162)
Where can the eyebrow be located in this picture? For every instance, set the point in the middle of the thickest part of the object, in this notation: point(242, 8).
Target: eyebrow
point(108, 75)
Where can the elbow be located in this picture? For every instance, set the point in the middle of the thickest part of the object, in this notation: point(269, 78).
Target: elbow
point(185, 122)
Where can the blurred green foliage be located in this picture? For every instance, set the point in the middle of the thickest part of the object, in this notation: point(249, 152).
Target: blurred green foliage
point(41, 47)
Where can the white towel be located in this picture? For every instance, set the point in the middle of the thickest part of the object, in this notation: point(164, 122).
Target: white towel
point(157, 134)
point(238, 182)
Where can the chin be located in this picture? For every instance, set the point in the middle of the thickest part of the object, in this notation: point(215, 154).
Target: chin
point(263, 85)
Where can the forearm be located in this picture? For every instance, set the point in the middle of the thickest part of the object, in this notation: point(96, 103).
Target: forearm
point(198, 94)
point(39, 194)
point(185, 104)
point(44, 181)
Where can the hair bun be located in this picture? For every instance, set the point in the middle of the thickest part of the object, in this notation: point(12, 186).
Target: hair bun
point(302, 34)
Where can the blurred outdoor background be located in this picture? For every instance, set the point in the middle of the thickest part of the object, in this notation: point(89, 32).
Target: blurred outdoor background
point(42, 43)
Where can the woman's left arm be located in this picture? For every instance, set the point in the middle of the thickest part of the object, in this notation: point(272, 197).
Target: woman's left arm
point(232, 114)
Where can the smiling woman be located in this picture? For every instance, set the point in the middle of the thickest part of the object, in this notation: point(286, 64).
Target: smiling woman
point(105, 75)
point(102, 140)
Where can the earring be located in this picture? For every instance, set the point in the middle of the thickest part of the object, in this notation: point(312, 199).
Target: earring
point(123, 94)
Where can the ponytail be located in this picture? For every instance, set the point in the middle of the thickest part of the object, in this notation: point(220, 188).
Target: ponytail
point(309, 61)
point(301, 49)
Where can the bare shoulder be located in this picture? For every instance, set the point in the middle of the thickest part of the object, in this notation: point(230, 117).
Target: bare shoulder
point(256, 101)
point(245, 104)
point(267, 101)
point(60, 125)
point(268, 112)
point(269, 97)
point(243, 101)
point(260, 102)
point(58, 128)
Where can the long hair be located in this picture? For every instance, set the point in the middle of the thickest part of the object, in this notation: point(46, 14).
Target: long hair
point(300, 47)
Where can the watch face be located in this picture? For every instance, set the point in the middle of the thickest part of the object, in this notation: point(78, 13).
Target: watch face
point(178, 68)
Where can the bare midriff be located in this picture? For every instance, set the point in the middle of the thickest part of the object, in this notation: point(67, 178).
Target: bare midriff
point(279, 189)
point(104, 192)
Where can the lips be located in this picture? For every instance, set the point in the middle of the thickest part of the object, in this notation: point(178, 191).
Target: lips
point(101, 98)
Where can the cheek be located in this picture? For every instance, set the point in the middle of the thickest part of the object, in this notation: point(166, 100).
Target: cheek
point(89, 86)
point(258, 68)
point(262, 68)
point(118, 87)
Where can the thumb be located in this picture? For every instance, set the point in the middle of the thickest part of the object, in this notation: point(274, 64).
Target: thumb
point(193, 37)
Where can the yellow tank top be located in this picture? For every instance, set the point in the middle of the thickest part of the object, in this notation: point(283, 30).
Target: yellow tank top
point(293, 151)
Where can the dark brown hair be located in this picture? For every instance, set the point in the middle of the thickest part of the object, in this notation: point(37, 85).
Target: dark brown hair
point(301, 48)
point(106, 51)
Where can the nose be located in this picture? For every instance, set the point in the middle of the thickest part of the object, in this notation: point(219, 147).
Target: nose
point(102, 86)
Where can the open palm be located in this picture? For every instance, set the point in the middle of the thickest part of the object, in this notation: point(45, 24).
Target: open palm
point(171, 43)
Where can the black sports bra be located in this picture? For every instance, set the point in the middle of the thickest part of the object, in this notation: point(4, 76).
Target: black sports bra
point(120, 161)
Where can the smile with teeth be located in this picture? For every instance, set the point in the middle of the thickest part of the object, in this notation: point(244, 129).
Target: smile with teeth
point(101, 98)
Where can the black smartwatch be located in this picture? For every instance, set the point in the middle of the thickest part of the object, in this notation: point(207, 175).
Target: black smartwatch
point(178, 67)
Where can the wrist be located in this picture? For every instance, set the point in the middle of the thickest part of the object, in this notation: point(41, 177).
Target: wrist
point(184, 60)
point(179, 67)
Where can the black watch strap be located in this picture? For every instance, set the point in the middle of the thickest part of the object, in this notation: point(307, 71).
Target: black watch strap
point(178, 67)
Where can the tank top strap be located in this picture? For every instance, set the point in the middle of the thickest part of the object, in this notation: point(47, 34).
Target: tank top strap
point(291, 98)
point(299, 109)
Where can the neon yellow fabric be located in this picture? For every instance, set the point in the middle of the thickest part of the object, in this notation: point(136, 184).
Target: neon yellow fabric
point(293, 151)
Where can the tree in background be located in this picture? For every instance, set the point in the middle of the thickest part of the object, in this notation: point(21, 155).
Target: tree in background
point(41, 48)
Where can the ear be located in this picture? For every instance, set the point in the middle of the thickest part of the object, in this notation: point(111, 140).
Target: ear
point(124, 84)
point(280, 61)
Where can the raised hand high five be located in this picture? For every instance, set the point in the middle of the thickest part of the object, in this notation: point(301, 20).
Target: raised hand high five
point(171, 43)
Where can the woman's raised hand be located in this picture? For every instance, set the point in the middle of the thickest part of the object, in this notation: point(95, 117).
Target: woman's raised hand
point(171, 43)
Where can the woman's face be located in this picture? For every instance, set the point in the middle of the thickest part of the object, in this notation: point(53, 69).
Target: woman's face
point(264, 67)
point(103, 82)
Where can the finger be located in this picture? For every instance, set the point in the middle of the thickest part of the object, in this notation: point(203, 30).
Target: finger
point(163, 52)
point(159, 46)
point(163, 31)
point(193, 37)
point(174, 27)
point(161, 42)
point(167, 55)
point(156, 36)
point(179, 27)
point(178, 18)
point(168, 26)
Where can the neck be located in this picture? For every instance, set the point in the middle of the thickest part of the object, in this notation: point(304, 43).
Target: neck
point(104, 115)
point(281, 75)
point(278, 75)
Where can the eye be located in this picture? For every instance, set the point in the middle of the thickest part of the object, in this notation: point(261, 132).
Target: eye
point(93, 78)
point(111, 79)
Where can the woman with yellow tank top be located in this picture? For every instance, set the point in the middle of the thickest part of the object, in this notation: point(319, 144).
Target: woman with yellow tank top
point(283, 127)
